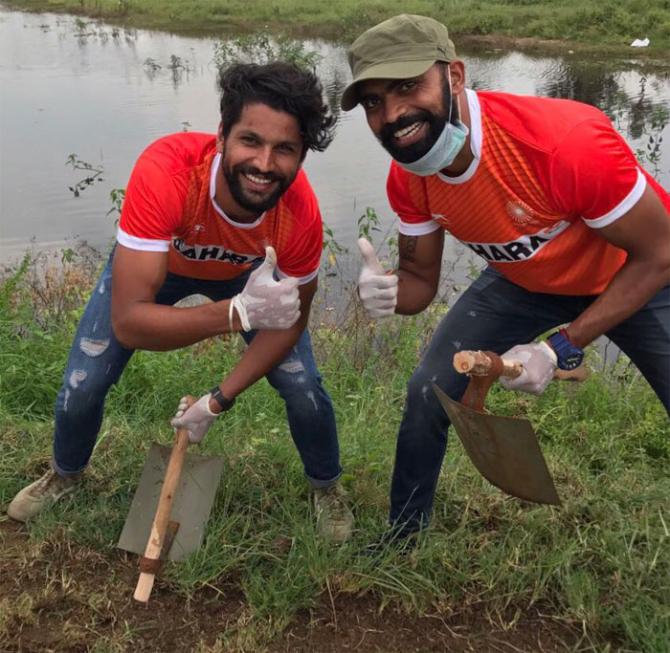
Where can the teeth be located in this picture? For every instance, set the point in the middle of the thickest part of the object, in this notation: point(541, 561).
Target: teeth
point(257, 180)
point(406, 131)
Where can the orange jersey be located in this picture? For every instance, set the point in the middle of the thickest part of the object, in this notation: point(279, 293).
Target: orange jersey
point(547, 174)
point(170, 207)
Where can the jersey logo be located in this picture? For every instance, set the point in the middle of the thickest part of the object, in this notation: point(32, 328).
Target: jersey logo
point(212, 253)
point(520, 214)
point(521, 249)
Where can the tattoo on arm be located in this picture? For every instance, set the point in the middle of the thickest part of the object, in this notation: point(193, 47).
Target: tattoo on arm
point(407, 247)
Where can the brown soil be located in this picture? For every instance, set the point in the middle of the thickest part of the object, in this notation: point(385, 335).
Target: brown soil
point(58, 597)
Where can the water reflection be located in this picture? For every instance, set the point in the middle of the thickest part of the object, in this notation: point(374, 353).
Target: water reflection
point(638, 111)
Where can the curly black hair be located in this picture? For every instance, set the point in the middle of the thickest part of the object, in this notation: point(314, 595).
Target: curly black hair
point(283, 87)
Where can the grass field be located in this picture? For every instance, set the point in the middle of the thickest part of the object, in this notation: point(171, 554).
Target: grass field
point(492, 574)
point(587, 22)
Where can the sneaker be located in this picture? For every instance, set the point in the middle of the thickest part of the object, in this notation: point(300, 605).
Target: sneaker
point(334, 519)
point(392, 542)
point(44, 491)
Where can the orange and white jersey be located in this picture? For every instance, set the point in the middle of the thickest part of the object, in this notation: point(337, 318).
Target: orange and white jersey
point(169, 207)
point(546, 175)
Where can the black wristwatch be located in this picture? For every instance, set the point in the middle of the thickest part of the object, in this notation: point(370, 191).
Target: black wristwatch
point(568, 355)
point(218, 396)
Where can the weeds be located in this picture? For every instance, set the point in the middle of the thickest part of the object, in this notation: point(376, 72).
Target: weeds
point(600, 563)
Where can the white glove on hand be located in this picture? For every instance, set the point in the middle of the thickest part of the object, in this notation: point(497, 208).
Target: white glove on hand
point(265, 303)
point(539, 364)
point(197, 419)
point(378, 291)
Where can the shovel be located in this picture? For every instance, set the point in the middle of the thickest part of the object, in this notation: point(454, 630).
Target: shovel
point(170, 509)
point(505, 450)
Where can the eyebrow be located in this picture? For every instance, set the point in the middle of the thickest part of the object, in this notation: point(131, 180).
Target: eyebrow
point(258, 137)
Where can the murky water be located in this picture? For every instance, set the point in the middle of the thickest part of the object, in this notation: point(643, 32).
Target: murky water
point(69, 88)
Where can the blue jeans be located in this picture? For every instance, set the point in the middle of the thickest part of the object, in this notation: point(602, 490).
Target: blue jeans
point(494, 314)
point(97, 361)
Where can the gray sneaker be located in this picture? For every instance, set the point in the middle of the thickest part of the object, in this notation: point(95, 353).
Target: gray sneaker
point(334, 519)
point(44, 491)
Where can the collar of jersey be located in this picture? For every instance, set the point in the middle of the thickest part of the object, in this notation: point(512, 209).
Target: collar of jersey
point(475, 140)
point(218, 209)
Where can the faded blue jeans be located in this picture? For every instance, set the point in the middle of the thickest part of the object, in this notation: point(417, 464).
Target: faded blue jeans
point(494, 314)
point(97, 361)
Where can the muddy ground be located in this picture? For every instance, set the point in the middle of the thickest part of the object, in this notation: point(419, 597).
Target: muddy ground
point(59, 597)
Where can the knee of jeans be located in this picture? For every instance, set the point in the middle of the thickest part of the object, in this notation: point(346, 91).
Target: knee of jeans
point(83, 388)
point(421, 397)
point(295, 383)
point(420, 393)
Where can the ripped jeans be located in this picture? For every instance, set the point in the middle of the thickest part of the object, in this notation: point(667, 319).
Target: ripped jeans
point(97, 360)
point(494, 314)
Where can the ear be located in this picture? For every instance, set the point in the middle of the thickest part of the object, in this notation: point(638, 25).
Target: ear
point(219, 138)
point(457, 72)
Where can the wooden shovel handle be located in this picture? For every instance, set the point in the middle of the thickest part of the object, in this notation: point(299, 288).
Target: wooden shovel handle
point(154, 546)
point(485, 363)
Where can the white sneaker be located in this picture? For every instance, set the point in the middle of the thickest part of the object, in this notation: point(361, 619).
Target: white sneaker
point(334, 519)
point(42, 492)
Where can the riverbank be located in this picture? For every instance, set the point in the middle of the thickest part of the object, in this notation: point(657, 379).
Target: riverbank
point(586, 24)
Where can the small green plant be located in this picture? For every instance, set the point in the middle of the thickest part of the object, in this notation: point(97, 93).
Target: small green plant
point(262, 48)
point(116, 195)
point(331, 248)
point(367, 223)
point(93, 174)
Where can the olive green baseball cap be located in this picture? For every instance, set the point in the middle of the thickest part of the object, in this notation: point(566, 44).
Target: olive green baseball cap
point(399, 48)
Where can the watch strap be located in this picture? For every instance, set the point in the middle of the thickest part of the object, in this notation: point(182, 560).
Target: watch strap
point(569, 355)
point(221, 399)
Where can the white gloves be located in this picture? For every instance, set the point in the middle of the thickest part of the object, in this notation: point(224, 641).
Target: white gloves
point(539, 364)
point(197, 419)
point(265, 303)
point(378, 291)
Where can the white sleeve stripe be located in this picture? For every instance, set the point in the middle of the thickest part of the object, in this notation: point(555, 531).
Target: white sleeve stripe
point(301, 280)
point(421, 229)
point(143, 244)
point(623, 207)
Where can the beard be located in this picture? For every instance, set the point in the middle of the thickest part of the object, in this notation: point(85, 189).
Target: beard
point(249, 200)
point(435, 122)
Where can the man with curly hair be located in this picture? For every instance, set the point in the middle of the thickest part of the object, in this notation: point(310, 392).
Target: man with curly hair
point(230, 216)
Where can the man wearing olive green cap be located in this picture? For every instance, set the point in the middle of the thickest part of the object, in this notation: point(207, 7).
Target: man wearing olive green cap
point(574, 232)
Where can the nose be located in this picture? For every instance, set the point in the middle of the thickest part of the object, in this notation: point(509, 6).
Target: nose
point(394, 108)
point(263, 159)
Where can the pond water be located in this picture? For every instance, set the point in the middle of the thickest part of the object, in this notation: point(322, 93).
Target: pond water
point(67, 87)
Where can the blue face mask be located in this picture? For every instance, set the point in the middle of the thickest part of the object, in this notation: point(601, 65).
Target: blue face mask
point(443, 153)
point(445, 149)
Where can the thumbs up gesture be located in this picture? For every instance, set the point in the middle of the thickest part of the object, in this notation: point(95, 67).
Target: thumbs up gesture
point(265, 303)
point(377, 289)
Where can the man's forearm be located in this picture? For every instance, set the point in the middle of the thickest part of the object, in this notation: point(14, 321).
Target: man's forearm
point(265, 351)
point(632, 287)
point(161, 328)
point(414, 293)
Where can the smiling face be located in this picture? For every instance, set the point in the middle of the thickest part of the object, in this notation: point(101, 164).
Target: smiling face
point(261, 156)
point(407, 115)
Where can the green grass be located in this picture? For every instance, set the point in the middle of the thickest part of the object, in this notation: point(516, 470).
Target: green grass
point(589, 22)
point(599, 563)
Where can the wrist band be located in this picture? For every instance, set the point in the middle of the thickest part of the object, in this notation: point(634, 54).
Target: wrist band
point(230, 316)
point(241, 312)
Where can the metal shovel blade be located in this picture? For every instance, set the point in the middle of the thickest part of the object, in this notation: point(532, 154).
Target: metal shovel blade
point(504, 450)
point(190, 508)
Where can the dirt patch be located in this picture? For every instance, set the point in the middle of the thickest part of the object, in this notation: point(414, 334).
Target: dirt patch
point(59, 597)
